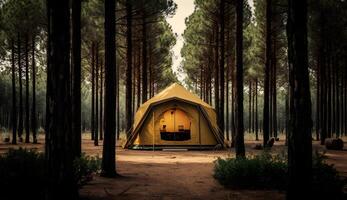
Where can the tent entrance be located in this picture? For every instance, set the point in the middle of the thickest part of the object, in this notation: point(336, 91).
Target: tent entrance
point(175, 125)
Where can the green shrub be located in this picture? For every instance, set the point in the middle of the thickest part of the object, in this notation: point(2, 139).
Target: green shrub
point(260, 171)
point(270, 172)
point(22, 173)
point(326, 182)
point(85, 167)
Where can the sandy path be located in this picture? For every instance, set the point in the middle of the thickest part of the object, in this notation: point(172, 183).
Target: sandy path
point(167, 175)
point(174, 175)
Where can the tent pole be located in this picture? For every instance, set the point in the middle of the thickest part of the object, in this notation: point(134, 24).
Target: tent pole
point(153, 131)
point(199, 128)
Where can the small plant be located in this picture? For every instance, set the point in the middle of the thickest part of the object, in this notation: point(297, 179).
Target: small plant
point(85, 167)
point(259, 171)
point(266, 171)
point(22, 170)
point(326, 182)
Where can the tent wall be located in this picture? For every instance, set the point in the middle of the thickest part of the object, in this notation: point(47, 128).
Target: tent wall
point(149, 133)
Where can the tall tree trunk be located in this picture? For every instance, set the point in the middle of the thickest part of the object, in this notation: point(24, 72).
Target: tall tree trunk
point(239, 139)
point(287, 124)
point(227, 122)
point(27, 127)
point(300, 142)
point(337, 103)
point(233, 109)
point(20, 120)
point(144, 58)
point(270, 101)
point(221, 67)
point(333, 102)
point(201, 87)
point(117, 102)
point(318, 103)
point(33, 107)
point(14, 102)
point(216, 73)
point(101, 119)
point(274, 92)
point(345, 98)
point(108, 151)
point(76, 88)
point(92, 122)
point(329, 114)
point(253, 108)
point(266, 113)
point(128, 95)
point(138, 76)
point(250, 107)
point(256, 110)
point(96, 136)
point(323, 86)
point(61, 184)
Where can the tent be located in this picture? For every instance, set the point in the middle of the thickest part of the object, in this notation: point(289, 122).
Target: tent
point(174, 118)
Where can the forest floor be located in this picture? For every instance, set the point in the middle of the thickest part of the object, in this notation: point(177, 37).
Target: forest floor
point(166, 175)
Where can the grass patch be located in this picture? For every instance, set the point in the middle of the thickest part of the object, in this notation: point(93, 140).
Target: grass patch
point(266, 171)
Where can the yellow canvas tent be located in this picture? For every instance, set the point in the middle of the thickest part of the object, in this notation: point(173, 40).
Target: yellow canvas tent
point(174, 118)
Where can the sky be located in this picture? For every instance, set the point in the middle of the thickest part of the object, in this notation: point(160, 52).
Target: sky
point(184, 9)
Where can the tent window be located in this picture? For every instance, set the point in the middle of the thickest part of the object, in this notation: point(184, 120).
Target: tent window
point(175, 126)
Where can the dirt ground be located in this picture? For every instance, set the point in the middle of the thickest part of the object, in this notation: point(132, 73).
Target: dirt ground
point(166, 175)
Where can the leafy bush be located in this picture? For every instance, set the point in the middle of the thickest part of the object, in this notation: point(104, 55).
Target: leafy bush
point(85, 167)
point(326, 182)
point(260, 171)
point(270, 172)
point(22, 173)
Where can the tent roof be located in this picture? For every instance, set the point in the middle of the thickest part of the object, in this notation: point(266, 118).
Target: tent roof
point(178, 92)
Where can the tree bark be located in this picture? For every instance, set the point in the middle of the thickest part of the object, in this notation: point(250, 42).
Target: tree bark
point(20, 120)
point(33, 107)
point(101, 119)
point(329, 128)
point(96, 136)
point(14, 102)
point(221, 67)
point(250, 107)
point(216, 73)
point(300, 143)
point(274, 92)
point(239, 139)
point(266, 113)
point(27, 114)
point(76, 88)
point(323, 86)
point(318, 102)
point(138, 76)
point(109, 151)
point(256, 110)
point(253, 108)
point(59, 160)
point(227, 122)
point(144, 58)
point(128, 95)
point(92, 122)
